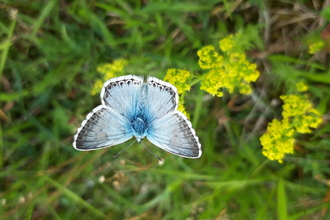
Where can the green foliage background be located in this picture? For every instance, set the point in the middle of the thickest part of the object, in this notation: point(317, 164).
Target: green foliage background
point(49, 53)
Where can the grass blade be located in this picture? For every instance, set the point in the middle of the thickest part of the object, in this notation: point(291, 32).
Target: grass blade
point(281, 201)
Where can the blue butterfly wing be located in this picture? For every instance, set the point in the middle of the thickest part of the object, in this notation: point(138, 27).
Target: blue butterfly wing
point(122, 94)
point(169, 129)
point(174, 133)
point(162, 98)
point(102, 128)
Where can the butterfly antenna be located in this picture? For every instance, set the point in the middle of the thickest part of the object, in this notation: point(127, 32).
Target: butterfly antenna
point(124, 149)
point(151, 152)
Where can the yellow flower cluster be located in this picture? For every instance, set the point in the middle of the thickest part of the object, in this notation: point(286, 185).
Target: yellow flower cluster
point(301, 113)
point(278, 140)
point(316, 46)
point(182, 109)
point(209, 58)
point(109, 70)
point(298, 116)
point(98, 84)
point(301, 86)
point(179, 79)
point(212, 82)
point(231, 71)
point(226, 44)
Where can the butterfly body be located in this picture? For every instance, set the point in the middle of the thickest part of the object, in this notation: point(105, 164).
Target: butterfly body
point(131, 107)
point(139, 127)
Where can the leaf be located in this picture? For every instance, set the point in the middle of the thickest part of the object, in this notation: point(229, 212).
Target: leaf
point(281, 201)
point(326, 13)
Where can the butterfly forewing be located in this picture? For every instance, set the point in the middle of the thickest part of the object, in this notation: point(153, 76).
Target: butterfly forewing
point(162, 98)
point(102, 128)
point(122, 94)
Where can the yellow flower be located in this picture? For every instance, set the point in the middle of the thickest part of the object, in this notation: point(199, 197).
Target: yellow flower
point(232, 71)
point(251, 74)
point(208, 58)
point(294, 105)
point(237, 57)
point(316, 117)
point(97, 87)
point(226, 44)
point(212, 82)
point(278, 140)
point(298, 117)
point(109, 70)
point(299, 110)
point(316, 46)
point(179, 79)
point(301, 86)
point(245, 89)
point(113, 69)
point(182, 109)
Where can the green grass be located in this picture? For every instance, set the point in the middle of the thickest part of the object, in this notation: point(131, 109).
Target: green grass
point(49, 54)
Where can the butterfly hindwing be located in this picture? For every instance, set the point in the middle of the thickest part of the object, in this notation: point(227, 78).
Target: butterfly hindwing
point(102, 128)
point(174, 133)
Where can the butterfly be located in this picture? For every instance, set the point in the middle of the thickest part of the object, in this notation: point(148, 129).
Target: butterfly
point(134, 108)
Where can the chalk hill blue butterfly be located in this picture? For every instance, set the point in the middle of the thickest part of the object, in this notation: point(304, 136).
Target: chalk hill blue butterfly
point(131, 107)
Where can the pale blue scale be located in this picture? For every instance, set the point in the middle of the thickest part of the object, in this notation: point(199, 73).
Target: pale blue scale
point(102, 128)
point(131, 107)
point(173, 133)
